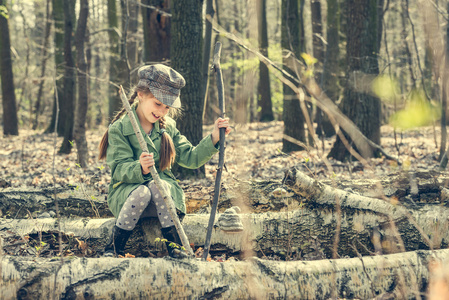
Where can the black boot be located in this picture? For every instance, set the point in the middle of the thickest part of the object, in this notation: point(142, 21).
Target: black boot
point(117, 242)
point(171, 235)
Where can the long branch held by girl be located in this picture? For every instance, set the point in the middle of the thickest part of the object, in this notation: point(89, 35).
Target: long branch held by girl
point(132, 192)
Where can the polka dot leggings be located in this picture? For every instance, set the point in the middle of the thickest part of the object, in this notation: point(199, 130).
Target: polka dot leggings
point(138, 201)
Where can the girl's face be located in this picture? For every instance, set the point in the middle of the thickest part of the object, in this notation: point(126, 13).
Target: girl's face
point(151, 108)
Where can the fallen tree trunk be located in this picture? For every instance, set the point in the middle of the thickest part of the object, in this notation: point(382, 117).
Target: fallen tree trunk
point(367, 224)
point(404, 276)
point(307, 232)
point(23, 202)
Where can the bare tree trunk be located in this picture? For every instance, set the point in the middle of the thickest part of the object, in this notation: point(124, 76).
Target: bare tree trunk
point(58, 42)
point(24, 86)
point(37, 106)
point(186, 58)
point(156, 30)
point(445, 93)
point(362, 55)
point(292, 42)
point(10, 120)
point(397, 276)
point(206, 55)
point(133, 36)
point(118, 66)
point(331, 69)
point(79, 130)
point(67, 110)
point(264, 90)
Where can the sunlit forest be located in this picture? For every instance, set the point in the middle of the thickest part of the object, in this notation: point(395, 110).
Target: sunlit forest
point(331, 184)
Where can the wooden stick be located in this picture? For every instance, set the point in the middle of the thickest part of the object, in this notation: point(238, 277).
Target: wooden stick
point(157, 180)
point(217, 68)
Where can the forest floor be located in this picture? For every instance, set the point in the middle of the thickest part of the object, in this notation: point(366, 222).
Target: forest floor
point(253, 153)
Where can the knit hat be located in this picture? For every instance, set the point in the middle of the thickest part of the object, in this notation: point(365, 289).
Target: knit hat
point(163, 82)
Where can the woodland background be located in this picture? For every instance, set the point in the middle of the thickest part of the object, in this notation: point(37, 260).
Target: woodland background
point(343, 90)
point(379, 61)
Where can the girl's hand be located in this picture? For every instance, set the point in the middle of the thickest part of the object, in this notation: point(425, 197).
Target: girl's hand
point(146, 162)
point(220, 123)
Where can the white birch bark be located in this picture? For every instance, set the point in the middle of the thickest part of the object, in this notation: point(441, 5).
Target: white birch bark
point(403, 275)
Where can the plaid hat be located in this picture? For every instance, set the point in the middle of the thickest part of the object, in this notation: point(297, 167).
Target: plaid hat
point(163, 82)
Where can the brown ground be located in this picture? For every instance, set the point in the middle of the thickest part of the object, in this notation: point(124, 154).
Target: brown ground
point(253, 153)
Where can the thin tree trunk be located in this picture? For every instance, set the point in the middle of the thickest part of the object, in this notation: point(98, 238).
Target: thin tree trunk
point(10, 120)
point(318, 51)
point(79, 130)
point(133, 37)
point(406, 48)
point(24, 87)
point(210, 111)
point(206, 54)
point(292, 42)
point(37, 106)
point(58, 18)
point(331, 70)
point(264, 90)
point(118, 68)
point(68, 109)
point(444, 96)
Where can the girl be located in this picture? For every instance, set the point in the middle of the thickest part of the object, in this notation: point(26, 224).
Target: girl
point(132, 192)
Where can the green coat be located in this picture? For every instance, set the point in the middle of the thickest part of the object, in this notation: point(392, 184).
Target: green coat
point(123, 159)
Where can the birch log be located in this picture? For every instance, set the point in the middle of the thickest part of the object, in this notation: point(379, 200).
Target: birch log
point(368, 224)
point(308, 231)
point(401, 276)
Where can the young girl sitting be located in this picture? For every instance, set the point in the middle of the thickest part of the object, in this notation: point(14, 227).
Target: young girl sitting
point(132, 191)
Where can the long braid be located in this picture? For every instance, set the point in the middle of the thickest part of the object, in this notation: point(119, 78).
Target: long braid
point(167, 152)
point(103, 147)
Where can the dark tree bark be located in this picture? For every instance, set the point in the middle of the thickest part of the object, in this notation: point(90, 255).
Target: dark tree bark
point(361, 50)
point(291, 41)
point(318, 51)
point(264, 90)
point(380, 23)
point(210, 112)
point(10, 120)
point(133, 34)
point(206, 54)
point(156, 30)
point(186, 58)
point(58, 18)
point(62, 63)
point(408, 60)
point(317, 32)
point(444, 150)
point(331, 69)
point(79, 131)
point(118, 66)
point(67, 103)
point(37, 106)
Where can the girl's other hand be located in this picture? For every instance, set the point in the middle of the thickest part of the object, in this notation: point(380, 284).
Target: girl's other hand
point(220, 123)
point(146, 162)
